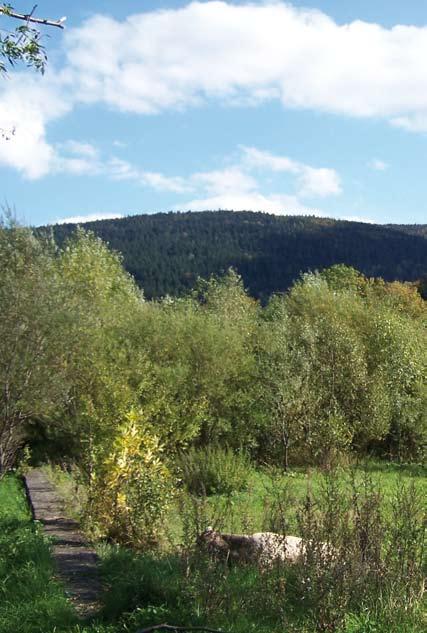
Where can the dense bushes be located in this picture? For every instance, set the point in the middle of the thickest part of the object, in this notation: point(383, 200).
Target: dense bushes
point(338, 365)
point(346, 367)
point(375, 559)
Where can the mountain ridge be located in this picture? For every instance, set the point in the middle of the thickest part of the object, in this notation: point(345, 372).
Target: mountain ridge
point(166, 252)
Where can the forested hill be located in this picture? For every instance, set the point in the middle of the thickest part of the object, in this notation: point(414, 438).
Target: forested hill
point(166, 252)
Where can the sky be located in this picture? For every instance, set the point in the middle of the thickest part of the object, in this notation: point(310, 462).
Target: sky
point(315, 107)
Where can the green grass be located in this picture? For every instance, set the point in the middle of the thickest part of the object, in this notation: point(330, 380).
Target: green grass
point(145, 589)
point(30, 601)
point(249, 511)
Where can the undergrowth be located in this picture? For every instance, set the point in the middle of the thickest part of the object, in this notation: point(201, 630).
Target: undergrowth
point(370, 583)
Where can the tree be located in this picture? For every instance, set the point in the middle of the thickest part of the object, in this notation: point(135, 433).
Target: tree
point(31, 382)
point(196, 369)
point(24, 43)
point(99, 300)
point(283, 372)
point(330, 329)
point(397, 345)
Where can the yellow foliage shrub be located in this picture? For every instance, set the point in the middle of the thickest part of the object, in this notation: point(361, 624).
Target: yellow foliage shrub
point(132, 487)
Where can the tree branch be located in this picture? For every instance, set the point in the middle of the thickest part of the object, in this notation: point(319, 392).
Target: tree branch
point(176, 629)
point(28, 17)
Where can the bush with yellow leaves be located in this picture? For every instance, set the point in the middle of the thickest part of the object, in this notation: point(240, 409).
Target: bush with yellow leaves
point(132, 487)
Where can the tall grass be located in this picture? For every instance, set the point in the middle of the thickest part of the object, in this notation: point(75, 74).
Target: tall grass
point(369, 582)
point(363, 562)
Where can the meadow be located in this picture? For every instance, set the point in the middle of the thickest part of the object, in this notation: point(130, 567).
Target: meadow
point(175, 583)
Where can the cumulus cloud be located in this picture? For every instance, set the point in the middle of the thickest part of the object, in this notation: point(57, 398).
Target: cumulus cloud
point(250, 201)
point(242, 53)
point(239, 187)
point(312, 181)
point(225, 181)
point(249, 53)
point(26, 107)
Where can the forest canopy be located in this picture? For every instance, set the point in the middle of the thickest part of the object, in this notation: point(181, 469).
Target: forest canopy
point(167, 252)
point(337, 364)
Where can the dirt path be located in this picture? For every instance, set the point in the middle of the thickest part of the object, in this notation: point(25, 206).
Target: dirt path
point(75, 561)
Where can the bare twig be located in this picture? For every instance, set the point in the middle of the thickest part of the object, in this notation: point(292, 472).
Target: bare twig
point(176, 629)
point(29, 17)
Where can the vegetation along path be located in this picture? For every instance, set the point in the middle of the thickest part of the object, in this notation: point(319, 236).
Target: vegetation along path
point(76, 562)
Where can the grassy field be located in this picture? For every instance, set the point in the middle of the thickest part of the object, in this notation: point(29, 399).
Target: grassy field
point(250, 510)
point(145, 589)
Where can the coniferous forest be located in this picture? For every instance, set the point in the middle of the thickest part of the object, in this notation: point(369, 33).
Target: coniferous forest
point(166, 252)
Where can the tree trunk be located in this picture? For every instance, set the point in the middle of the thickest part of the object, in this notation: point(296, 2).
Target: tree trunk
point(285, 442)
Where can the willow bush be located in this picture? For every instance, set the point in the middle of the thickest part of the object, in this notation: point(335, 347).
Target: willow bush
point(132, 487)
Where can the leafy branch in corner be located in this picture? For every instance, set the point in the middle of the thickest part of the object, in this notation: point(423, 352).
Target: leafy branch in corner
point(23, 44)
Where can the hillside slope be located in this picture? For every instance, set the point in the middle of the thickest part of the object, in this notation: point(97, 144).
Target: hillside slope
point(166, 252)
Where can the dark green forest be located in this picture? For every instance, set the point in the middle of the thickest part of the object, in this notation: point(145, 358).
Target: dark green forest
point(167, 252)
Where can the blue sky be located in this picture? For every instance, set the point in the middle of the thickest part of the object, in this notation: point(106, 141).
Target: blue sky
point(297, 107)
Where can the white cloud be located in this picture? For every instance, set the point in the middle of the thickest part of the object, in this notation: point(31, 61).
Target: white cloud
point(248, 53)
point(77, 166)
point(250, 201)
point(358, 218)
point(92, 217)
point(319, 182)
point(164, 183)
point(312, 181)
point(416, 122)
point(81, 148)
point(26, 106)
point(78, 158)
point(123, 170)
point(237, 188)
point(225, 181)
point(235, 53)
point(254, 157)
point(378, 165)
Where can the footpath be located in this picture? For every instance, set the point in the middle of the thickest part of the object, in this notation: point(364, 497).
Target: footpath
point(76, 562)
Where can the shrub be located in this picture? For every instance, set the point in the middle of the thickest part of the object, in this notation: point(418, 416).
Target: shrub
point(132, 487)
point(214, 470)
